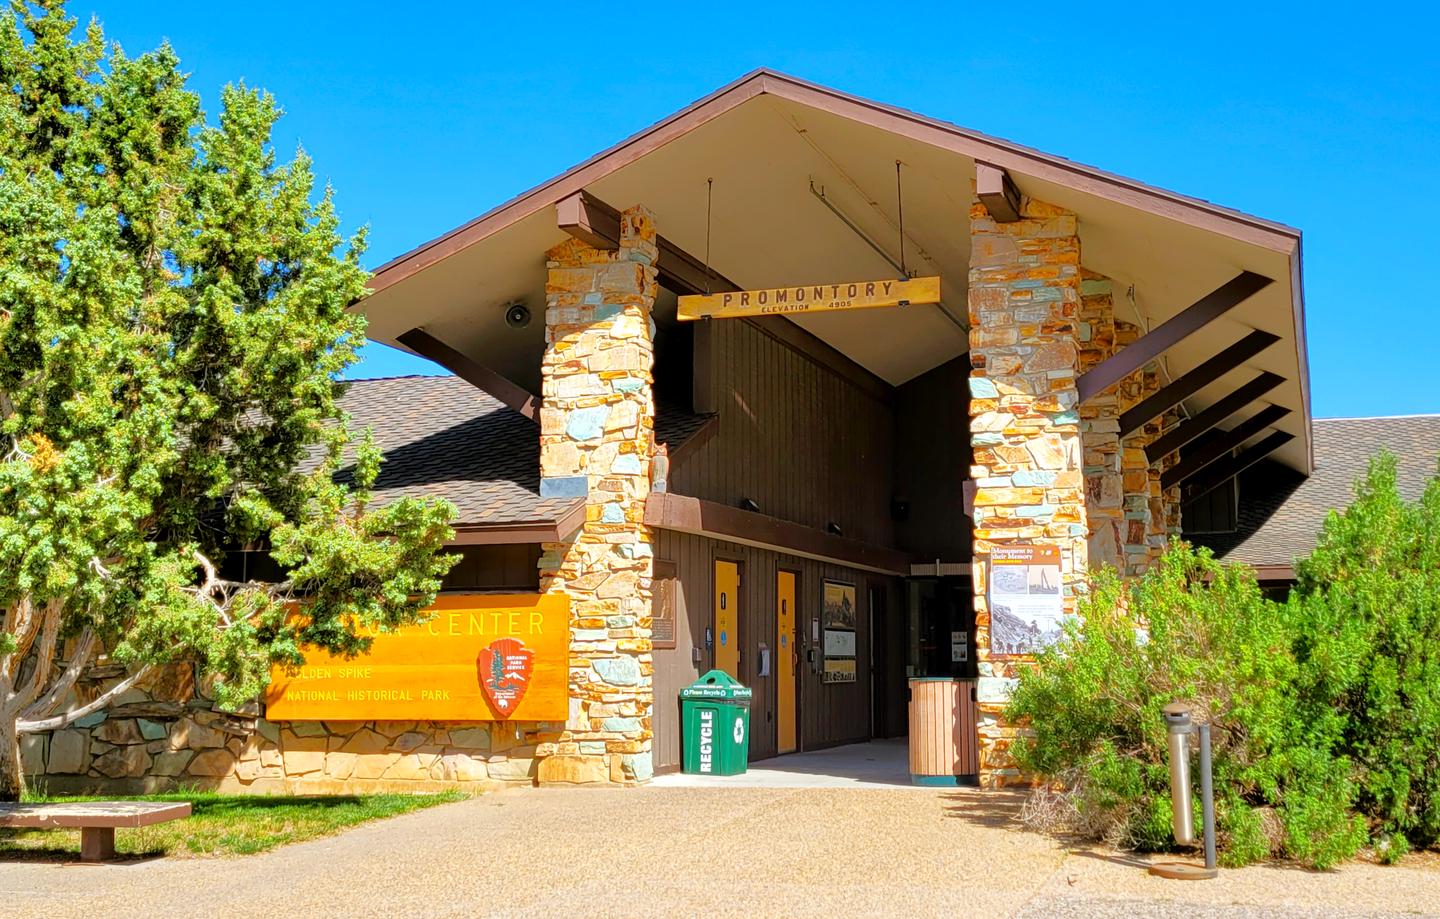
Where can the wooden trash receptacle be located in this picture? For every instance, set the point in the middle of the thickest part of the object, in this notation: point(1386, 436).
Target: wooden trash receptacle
point(944, 746)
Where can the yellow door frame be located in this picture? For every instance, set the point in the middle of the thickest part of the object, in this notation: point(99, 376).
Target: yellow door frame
point(787, 659)
point(726, 616)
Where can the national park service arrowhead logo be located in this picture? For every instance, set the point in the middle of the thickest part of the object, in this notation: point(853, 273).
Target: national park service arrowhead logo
point(503, 670)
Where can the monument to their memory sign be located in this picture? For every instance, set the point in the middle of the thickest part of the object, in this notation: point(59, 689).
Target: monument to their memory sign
point(480, 657)
point(1027, 602)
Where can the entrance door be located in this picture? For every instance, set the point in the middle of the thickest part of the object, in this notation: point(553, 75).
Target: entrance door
point(785, 659)
point(727, 617)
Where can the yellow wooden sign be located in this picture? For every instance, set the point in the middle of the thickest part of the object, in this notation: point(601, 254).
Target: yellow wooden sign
point(480, 657)
point(810, 298)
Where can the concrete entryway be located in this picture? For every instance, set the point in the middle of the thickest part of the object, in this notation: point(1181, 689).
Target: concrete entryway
point(710, 852)
point(877, 764)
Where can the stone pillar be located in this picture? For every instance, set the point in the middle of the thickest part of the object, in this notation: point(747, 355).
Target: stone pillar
point(596, 440)
point(1025, 294)
point(1047, 470)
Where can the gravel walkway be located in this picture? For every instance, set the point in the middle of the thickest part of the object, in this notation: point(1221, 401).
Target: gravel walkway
point(699, 851)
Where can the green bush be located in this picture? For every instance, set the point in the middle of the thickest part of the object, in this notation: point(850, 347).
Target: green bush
point(1193, 630)
point(1368, 601)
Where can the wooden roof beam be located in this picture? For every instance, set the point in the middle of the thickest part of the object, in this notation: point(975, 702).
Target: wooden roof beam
point(1190, 383)
point(1222, 445)
point(597, 224)
point(1182, 434)
point(997, 192)
point(473, 372)
point(589, 220)
point(1220, 473)
point(1169, 333)
point(685, 514)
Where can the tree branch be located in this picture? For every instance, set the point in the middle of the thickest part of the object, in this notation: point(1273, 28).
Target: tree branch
point(84, 650)
point(104, 699)
point(20, 621)
point(44, 653)
point(206, 591)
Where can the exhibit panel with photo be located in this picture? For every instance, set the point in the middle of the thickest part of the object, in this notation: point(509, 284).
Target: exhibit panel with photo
point(840, 643)
point(1026, 601)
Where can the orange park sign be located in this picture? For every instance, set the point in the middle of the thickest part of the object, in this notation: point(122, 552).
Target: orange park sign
point(810, 298)
point(480, 657)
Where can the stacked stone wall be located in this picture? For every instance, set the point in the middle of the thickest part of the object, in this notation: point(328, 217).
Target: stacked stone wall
point(165, 733)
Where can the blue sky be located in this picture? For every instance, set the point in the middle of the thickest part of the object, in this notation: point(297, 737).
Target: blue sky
point(425, 115)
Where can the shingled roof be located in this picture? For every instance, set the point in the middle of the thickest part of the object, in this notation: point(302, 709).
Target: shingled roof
point(1281, 512)
point(443, 437)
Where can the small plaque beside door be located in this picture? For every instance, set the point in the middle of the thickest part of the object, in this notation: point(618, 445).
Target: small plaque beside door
point(663, 590)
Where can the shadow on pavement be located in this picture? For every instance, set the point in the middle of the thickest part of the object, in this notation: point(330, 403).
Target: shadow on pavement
point(11, 852)
point(994, 808)
point(1082, 849)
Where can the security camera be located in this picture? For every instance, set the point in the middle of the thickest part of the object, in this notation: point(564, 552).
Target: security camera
point(517, 315)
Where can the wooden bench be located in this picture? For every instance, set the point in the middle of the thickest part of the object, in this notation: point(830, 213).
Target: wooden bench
point(97, 820)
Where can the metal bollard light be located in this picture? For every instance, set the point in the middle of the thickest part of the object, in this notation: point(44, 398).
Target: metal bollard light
point(1179, 726)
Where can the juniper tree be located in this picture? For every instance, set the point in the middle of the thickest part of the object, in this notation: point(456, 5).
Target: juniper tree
point(1370, 596)
point(173, 324)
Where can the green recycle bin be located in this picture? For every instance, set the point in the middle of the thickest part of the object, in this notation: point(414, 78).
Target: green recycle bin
point(715, 714)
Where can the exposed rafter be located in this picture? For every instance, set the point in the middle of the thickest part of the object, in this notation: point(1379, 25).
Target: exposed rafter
point(1169, 333)
point(1189, 384)
point(1212, 416)
point(1222, 472)
point(1222, 445)
point(476, 374)
point(995, 190)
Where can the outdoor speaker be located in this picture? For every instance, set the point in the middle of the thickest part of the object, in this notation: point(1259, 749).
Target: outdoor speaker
point(517, 315)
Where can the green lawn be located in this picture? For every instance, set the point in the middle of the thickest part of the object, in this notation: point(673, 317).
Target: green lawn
point(222, 825)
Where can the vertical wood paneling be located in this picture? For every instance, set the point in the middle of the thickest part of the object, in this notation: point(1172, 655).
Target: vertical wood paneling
point(967, 728)
point(933, 460)
point(828, 714)
point(943, 728)
point(800, 441)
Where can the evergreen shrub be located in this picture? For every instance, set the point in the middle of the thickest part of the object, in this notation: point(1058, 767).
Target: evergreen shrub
point(1193, 630)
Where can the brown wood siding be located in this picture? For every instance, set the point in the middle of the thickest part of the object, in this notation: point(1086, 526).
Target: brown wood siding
point(496, 566)
point(828, 714)
point(803, 442)
point(891, 691)
point(933, 457)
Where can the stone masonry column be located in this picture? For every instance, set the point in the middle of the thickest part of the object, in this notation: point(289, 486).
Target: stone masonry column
point(1025, 431)
point(1130, 516)
point(596, 439)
